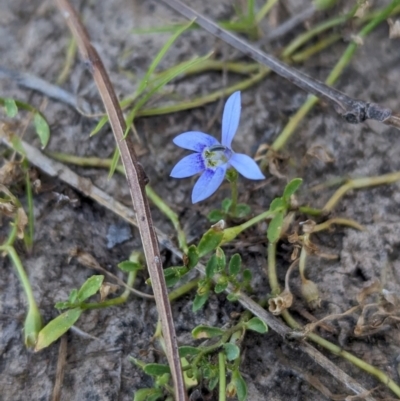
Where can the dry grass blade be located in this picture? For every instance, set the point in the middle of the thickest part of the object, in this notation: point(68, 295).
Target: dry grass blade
point(136, 181)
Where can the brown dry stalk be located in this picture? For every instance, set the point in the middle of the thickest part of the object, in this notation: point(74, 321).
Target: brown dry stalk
point(136, 181)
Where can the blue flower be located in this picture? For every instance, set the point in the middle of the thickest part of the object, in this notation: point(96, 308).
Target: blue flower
point(212, 159)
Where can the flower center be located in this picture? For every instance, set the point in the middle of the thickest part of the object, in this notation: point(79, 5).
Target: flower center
point(216, 155)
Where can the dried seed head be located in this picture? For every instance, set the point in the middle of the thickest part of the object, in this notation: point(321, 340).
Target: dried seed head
point(308, 226)
point(219, 226)
point(278, 304)
point(310, 293)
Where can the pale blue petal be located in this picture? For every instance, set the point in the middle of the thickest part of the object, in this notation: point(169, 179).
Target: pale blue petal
point(230, 119)
point(208, 183)
point(246, 166)
point(194, 140)
point(188, 166)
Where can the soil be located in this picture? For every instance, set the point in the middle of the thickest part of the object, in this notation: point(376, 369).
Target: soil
point(33, 39)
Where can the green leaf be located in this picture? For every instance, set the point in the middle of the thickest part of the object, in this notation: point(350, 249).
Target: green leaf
point(90, 287)
point(242, 210)
point(73, 295)
point(62, 305)
point(213, 383)
point(156, 369)
point(247, 276)
point(241, 386)
point(256, 324)
point(216, 215)
point(114, 163)
point(221, 260)
point(42, 129)
point(11, 107)
point(291, 188)
point(173, 274)
point(203, 331)
point(277, 204)
point(211, 267)
point(129, 266)
point(232, 351)
point(232, 297)
point(187, 350)
point(226, 204)
point(222, 285)
point(235, 265)
point(57, 327)
point(192, 257)
point(275, 227)
point(199, 301)
point(148, 394)
point(209, 241)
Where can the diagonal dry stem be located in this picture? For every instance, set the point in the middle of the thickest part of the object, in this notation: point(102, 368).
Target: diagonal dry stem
point(352, 110)
point(136, 181)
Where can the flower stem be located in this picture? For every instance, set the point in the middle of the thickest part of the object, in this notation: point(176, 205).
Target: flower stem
point(33, 320)
point(272, 277)
point(222, 376)
point(234, 190)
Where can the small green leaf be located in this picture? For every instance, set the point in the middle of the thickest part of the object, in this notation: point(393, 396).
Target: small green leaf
point(213, 383)
point(232, 297)
point(173, 274)
point(129, 266)
point(241, 386)
point(42, 129)
point(256, 324)
point(114, 163)
point(226, 204)
point(211, 267)
point(144, 394)
point(192, 256)
point(242, 210)
point(235, 265)
point(187, 350)
point(221, 260)
point(73, 295)
point(291, 188)
point(156, 369)
point(222, 285)
point(90, 287)
point(277, 204)
point(11, 107)
point(56, 328)
point(203, 331)
point(275, 227)
point(247, 276)
point(216, 215)
point(199, 301)
point(209, 241)
point(232, 351)
point(62, 305)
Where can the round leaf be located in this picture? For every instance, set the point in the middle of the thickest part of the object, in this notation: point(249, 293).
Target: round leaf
point(206, 332)
point(291, 188)
point(235, 264)
point(232, 351)
point(210, 240)
point(257, 325)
